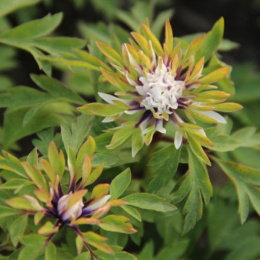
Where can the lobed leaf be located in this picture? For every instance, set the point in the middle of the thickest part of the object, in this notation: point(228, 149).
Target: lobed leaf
point(195, 185)
point(163, 165)
point(246, 181)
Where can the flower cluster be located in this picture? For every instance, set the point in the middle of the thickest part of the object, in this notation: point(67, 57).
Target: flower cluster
point(68, 204)
point(162, 83)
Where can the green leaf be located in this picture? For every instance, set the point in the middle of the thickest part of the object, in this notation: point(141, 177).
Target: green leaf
point(32, 158)
point(137, 141)
point(74, 135)
point(120, 183)
point(248, 156)
point(98, 242)
point(95, 174)
point(33, 240)
point(83, 256)
point(100, 109)
point(24, 204)
point(147, 251)
point(247, 136)
point(48, 228)
point(57, 45)
point(8, 6)
point(212, 41)
point(213, 77)
point(45, 138)
point(120, 137)
point(14, 129)
point(223, 143)
point(247, 182)
point(148, 201)
point(110, 53)
point(17, 229)
point(227, 45)
point(226, 234)
point(50, 252)
point(10, 162)
point(7, 212)
point(88, 148)
point(14, 184)
point(198, 150)
point(30, 252)
point(246, 79)
point(196, 186)
point(116, 223)
point(56, 159)
point(56, 89)
point(132, 212)
point(22, 34)
point(117, 255)
point(175, 250)
point(163, 165)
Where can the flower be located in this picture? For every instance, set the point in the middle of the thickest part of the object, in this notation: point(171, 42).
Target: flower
point(70, 205)
point(162, 83)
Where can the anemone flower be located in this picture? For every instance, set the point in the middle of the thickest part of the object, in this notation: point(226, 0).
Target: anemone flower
point(162, 83)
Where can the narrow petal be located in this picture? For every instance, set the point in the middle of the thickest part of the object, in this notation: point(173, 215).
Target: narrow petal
point(214, 115)
point(98, 204)
point(110, 98)
point(108, 119)
point(178, 139)
point(159, 126)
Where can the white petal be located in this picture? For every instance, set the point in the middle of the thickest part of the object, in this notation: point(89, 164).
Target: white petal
point(144, 124)
point(159, 126)
point(133, 61)
point(200, 131)
point(178, 139)
point(140, 89)
point(110, 98)
point(108, 119)
point(132, 111)
point(99, 203)
point(130, 81)
point(214, 115)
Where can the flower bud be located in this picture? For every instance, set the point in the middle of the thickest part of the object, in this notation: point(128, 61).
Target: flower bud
point(66, 212)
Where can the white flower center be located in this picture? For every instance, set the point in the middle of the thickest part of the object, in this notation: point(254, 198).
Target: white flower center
point(160, 90)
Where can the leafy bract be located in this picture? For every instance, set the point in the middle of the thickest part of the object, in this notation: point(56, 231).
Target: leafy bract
point(163, 165)
point(247, 182)
point(196, 187)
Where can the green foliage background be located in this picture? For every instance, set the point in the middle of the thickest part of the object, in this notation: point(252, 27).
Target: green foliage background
point(46, 73)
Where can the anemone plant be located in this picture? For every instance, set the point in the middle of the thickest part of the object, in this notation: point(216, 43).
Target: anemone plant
point(73, 205)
